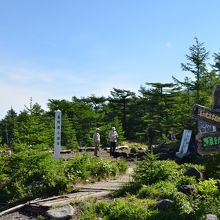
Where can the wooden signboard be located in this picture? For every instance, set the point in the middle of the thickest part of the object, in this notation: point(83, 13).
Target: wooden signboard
point(202, 113)
point(208, 137)
point(208, 143)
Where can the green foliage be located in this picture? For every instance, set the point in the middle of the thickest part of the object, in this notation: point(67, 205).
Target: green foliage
point(33, 174)
point(122, 209)
point(34, 129)
point(160, 104)
point(208, 205)
point(30, 174)
point(186, 180)
point(183, 203)
point(197, 58)
point(208, 188)
point(159, 190)
point(84, 167)
point(152, 170)
point(119, 209)
point(7, 128)
point(87, 211)
point(212, 165)
point(68, 134)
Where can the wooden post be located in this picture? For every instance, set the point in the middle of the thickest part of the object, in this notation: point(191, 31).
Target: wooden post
point(57, 136)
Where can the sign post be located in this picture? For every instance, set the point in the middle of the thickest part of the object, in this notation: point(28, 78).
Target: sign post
point(57, 136)
point(208, 137)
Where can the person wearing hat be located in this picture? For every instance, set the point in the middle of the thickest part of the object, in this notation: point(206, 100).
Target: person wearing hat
point(113, 136)
point(96, 139)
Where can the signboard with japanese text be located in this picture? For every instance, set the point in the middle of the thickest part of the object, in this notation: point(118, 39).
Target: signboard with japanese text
point(208, 136)
point(208, 143)
point(205, 114)
point(57, 136)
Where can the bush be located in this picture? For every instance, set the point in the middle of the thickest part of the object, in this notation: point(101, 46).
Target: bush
point(159, 190)
point(84, 167)
point(33, 174)
point(211, 164)
point(129, 208)
point(152, 170)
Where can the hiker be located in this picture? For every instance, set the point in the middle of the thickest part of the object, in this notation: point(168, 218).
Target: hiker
point(113, 136)
point(96, 139)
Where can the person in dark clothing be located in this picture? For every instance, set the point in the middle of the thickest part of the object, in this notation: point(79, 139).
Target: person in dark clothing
point(113, 137)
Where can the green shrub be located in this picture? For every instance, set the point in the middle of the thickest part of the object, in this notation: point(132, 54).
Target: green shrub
point(206, 205)
point(211, 164)
point(208, 188)
point(129, 208)
point(77, 168)
point(85, 167)
point(87, 211)
point(183, 203)
point(152, 170)
point(149, 191)
point(159, 190)
point(186, 180)
point(122, 209)
point(33, 174)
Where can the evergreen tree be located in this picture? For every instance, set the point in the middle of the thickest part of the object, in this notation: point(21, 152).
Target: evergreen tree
point(68, 134)
point(34, 128)
point(197, 58)
point(159, 104)
point(118, 103)
point(216, 65)
point(7, 126)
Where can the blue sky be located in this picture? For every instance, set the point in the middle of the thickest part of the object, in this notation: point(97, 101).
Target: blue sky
point(53, 49)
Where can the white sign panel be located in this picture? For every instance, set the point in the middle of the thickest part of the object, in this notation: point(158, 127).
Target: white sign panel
point(184, 143)
point(57, 136)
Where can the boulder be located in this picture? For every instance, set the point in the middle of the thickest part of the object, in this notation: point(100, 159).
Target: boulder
point(120, 154)
point(62, 213)
point(164, 203)
point(187, 189)
point(192, 171)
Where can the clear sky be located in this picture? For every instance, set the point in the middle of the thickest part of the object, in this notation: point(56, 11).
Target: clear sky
point(57, 49)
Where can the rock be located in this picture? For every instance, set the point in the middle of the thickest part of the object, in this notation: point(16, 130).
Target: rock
point(120, 154)
point(62, 213)
point(164, 203)
point(211, 217)
point(192, 171)
point(187, 189)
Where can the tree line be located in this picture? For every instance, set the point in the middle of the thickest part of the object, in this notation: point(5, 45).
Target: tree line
point(160, 106)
